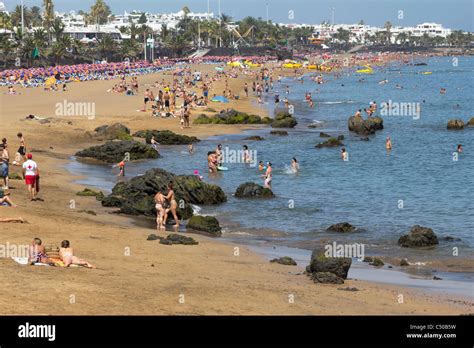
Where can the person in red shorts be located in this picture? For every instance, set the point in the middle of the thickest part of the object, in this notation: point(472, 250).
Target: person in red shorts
point(30, 173)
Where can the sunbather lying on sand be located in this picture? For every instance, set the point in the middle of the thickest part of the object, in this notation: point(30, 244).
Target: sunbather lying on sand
point(18, 219)
point(66, 254)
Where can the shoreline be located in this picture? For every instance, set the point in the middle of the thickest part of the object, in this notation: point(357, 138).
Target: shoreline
point(269, 283)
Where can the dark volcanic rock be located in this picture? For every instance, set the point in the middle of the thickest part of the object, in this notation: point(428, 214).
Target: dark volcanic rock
point(285, 260)
point(455, 124)
point(324, 135)
point(115, 151)
point(252, 190)
point(326, 278)
point(343, 227)
point(470, 123)
point(337, 265)
point(419, 236)
point(331, 142)
point(206, 224)
point(231, 116)
point(377, 262)
point(153, 237)
point(177, 239)
point(99, 195)
point(278, 132)
point(283, 119)
point(368, 259)
point(404, 262)
point(165, 137)
point(365, 127)
point(255, 137)
point(117, 131)
point(136, 196)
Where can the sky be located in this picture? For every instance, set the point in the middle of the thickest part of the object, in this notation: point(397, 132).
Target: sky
point(454, 14)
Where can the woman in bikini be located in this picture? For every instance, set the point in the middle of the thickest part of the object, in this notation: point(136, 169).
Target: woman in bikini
point(22, 148)
point(66, 254)
point(161, 211)
point(268, 176)
point(37, 253)
point(146, 99)
point(173, 205)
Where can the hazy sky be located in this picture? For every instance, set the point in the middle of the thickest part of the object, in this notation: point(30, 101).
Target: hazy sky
point(455, 14)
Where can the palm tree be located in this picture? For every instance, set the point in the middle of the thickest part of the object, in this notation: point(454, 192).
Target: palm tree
point(40, 37)
point(388, 34)
point(176, 44)
point(16, 16)
point(48, 15)
point(6, 47)
point(402, 38)
point(106, 46)
point(99, 13)
point(5, 21)
point(57, 28)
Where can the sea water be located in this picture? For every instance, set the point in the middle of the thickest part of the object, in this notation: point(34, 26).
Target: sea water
point(421, 181)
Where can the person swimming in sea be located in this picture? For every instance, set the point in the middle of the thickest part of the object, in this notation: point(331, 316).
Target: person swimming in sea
point(388, 144)
point(261, 166)
point(460, 148)
point(344, 154)
point(190, 148)
point(295, 166)
point(246, 158)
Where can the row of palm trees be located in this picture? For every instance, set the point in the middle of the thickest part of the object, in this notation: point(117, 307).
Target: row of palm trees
point(49, 39)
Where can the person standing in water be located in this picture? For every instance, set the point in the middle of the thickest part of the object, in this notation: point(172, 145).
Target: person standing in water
point(295, 166)
point(173, 205)
point(246, 157)
point(459, 148)
point(268, 176)
point(388, 144)
point(160, 210)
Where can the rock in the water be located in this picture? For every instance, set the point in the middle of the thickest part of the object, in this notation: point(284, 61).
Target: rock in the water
point(451, 239)
point(99, 195)
point(117, 131)
point(255, 137)
point(377, 262)
point(206, 224)
point(365, 127)
point(340, 137)
point(115, 151)
point(252, 190)
point(135, 197)
point(343, 227)
point(455, 124)
point(368, 259)
point(283, 119)
point(337, 265)
point(324, 135)
point(419, 236)
point(316, 125)
point(470, 123)
point(437, 278)
point(326, 278)
point(278, 132)
point(177, 239)
point(285, 260)
point(231, 117)
point(404, 262)
point(165, 137)
point(331, 142)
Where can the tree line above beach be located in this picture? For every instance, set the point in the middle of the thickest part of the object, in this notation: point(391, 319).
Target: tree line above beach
point(44, 41)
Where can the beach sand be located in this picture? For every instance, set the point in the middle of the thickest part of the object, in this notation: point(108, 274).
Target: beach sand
point(141, 277)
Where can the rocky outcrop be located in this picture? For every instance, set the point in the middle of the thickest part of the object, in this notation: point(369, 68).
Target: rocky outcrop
point(339, 266)
point(365, 127)
point(418, 237)
point(117, 131)
point(173, 239)
point(470, 123)
point(342, 227)
point(136, 196)
point(255, 138)
point(99, 195)
point(116, 151)
point(377, 262)
point(285, 260)
point(331, 142)
point(324, 135)
point(252, 190)
point(205, 224)
point(165, 137)
point(326, 278)
point(278, 132)
point(455, 124)
point(283, 119)
point(231, 116)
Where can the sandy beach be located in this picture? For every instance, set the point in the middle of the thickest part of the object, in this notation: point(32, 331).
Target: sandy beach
point(139, 277)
